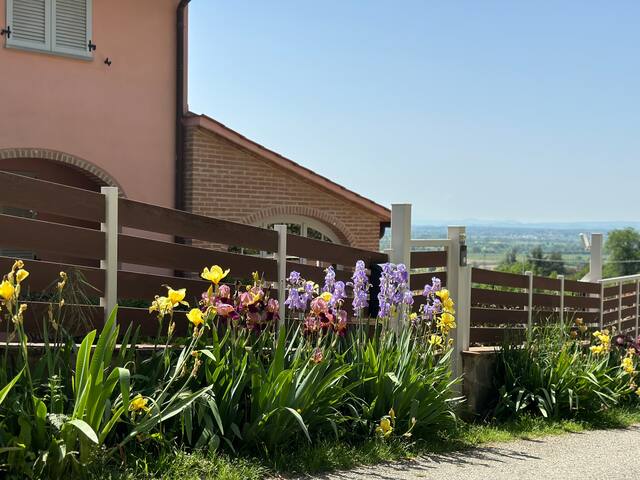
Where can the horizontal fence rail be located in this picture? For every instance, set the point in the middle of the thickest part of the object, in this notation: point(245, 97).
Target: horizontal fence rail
point(620, 304)
point(58, 228)
point(505, 305)
point(426, 265)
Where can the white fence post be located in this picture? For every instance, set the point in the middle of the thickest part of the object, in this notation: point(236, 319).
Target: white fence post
point(459, 285)
point(601, 305)
point(529, 304)
point(456, 236)
point(595, 262)
point(463, 319)
point(637, 305)
point(282, 270)
point(619, 306)
point(400, 243)
point(110, 262)
point(401, 234)
point(561, 278)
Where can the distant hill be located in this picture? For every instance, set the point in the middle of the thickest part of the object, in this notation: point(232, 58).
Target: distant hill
point(603, 226)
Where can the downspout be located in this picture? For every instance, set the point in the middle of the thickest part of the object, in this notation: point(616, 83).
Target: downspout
point(180, 89)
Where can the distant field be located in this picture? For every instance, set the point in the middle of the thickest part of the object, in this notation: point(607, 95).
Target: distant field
point(491, 260)
point(487, 246)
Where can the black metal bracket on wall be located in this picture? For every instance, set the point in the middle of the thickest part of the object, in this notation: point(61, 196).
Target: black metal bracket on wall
point(6, 31)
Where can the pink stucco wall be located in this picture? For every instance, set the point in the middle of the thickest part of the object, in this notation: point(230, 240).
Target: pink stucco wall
point(120, 118)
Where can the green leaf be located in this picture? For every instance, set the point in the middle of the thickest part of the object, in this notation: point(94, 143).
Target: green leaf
point(85, 429)
point(175, 408)
point(216, 413)
point(5, 390)
point(393, 378)
point(106, 336)
point(12, 449)
point(82, 398)
point(125, 387)
point(236, 431)
point(208, 354)
point(109, 425)
point(300, 421)
point(82, 362)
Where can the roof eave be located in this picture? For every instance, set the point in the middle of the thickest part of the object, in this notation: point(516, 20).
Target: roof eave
point(208, 123)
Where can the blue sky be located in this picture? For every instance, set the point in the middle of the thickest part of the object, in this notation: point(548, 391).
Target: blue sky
point(527, 111)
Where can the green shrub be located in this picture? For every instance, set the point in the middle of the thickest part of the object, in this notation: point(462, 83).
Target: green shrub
point(240, 381)
point(404, 374)
point(556, 374)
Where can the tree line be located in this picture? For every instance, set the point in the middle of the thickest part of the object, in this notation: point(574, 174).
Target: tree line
point(622, 249)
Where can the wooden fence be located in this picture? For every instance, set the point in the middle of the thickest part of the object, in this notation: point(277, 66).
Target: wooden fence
point(424, 267)
point(620, 303)
point(504, 305)
point(66, 228)
point(63, 228)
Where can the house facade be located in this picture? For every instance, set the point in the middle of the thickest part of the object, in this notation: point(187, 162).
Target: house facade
point(94, 94)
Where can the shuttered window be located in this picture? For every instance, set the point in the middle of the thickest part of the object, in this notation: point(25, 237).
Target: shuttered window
point(58, 26)
point(30, 23)
point(71, 26)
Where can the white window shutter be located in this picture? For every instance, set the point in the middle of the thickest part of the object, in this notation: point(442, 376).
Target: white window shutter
point(71, 27)
point(30, 22)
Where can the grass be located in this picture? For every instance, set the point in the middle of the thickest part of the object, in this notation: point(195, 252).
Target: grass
point(332, 455)
point(186, 466)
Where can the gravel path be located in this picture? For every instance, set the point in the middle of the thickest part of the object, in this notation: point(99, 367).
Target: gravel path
point(591, 455)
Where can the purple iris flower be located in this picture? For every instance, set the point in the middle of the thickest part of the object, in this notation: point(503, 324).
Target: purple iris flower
point(329, 279)
point(294, 278)
point(294, 301)
point(407, 297)
point(360, 283)
point(300, 292)
point(394, 288)
point(338, 293)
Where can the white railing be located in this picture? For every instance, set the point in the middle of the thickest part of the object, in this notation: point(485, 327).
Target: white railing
point(458, 276)
point(620, 281)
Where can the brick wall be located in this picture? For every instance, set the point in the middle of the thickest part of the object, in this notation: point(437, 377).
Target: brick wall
point(228, 182)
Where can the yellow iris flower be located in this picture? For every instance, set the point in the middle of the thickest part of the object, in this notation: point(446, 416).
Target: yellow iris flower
point(435, 340)
point(385, 427)
point(597, 349)
point(215, 274)
point(326, 296)
point(21, 275)
point(176, 297)
point(627, 365)
point(6, 290)
point(447, 322)
point(139, 403)
point(162, 305)
point(195, 316)
point(448, 303)
point(443, 295)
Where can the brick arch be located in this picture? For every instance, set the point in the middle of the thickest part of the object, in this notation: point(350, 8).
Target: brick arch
point(73, 161)
point(337, 226)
